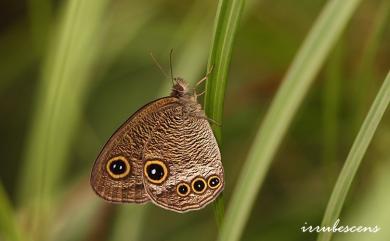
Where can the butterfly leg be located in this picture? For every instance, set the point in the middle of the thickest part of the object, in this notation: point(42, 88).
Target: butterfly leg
point(206, 76)
point(197, 95)
point(201, 81)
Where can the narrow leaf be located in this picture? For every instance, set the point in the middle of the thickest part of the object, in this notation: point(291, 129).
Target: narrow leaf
point(225, 28)
point(305, 66)
point(355, 157)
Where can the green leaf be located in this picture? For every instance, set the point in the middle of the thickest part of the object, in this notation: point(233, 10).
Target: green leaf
point(311, 55)
point(62, 90)
point(225, 28)
point(9, 229)
point(355, 157)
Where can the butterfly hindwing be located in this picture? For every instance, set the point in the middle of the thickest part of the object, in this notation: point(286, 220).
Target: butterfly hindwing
point(182, 164)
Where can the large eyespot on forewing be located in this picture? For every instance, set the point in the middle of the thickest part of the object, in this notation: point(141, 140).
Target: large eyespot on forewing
point(118, 167)
point(117, 173)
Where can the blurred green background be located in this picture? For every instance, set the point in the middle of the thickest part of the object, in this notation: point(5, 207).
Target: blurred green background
point(72, 71)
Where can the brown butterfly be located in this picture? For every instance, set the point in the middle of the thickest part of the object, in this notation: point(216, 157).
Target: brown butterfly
point(165, 153)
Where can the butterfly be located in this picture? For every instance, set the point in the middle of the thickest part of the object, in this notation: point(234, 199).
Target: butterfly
point(165, 153)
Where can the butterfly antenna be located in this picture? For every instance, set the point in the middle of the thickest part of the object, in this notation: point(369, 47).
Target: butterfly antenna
point(159, 66)
point(170, 65)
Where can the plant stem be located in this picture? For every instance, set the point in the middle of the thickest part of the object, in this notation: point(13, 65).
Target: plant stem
point(225, 28)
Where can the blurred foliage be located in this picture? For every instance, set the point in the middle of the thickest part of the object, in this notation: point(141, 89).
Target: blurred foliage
point(110, 75)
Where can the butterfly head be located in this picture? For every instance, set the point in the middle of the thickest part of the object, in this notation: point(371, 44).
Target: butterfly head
point(180, 88)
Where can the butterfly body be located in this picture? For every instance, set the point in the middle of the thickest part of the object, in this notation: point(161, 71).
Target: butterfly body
point(165, 153)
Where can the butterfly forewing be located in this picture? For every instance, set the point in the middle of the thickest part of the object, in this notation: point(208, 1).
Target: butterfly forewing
point(117, 172)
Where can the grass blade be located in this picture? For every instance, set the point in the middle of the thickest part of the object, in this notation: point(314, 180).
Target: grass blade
point(70, 225)
point(355, 157)
point(306, 64)
point(226, 23)
point(372, 209)
point(9, 230)
point(128, 224)
point(225, 27)
point(60, 95)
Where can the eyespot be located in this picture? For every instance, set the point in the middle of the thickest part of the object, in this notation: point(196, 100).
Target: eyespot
point(118, 167)
point(156, 171)
point(183, 189)
point(214, 182)
point(198, 185)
